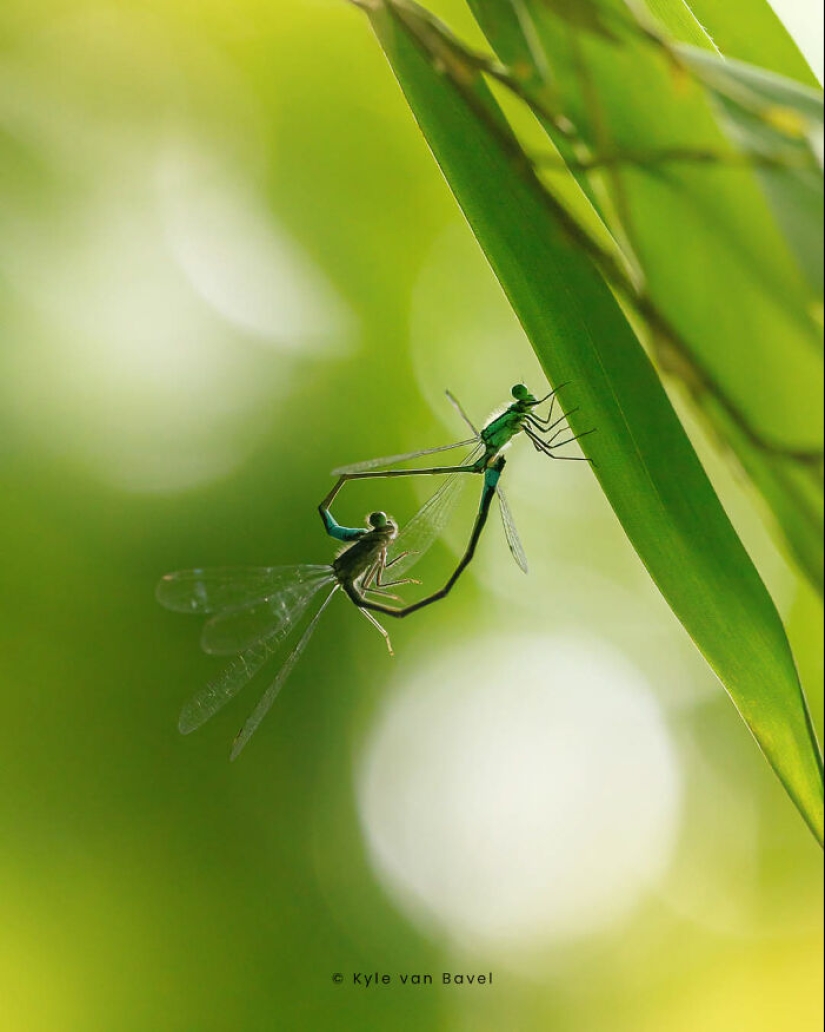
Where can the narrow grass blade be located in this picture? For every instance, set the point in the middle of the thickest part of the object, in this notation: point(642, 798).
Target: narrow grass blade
point(749, 30)
point(728, 261)
point(780, 124)
point(643, 459)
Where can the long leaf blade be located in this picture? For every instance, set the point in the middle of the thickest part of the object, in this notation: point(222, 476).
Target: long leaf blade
point(643, 458)
point(744, 340)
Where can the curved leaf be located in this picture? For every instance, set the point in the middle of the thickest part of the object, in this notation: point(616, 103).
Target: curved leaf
point(780, 124)
point(644, 460)
point(736, 305)
point(749, 30)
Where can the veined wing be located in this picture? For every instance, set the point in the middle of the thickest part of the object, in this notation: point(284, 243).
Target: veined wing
point(271, 693)
point(394, 460)
point(223, 587)
point(460, 410)
point(422, 530)
point(267, 619)
point(224, 687)
point(510, 531)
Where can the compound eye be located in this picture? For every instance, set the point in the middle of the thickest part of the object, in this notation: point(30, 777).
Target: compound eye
point(520, 392)
point(377, 520)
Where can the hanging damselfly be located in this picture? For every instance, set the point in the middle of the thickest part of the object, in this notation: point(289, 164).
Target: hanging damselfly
point(251, 610)
point(547, 434)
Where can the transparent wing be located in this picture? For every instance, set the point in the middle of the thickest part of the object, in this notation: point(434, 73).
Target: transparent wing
point(460, 410)
point(394, 460)
point(422, 530)
point(510, 531)
point(225, 587)
point(267, 619)
point(271, 693)
point(225, 686)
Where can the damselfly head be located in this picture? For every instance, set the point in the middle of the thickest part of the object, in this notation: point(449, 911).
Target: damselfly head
point(380, 521)
point(520, 393)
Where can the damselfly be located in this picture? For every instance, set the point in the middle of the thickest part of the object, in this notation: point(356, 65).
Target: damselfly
point(490, 488)
point(486, 445)
point(252, 609)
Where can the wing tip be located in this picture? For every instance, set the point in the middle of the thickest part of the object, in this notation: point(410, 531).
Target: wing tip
point(190, 719)
point(237, 746)
point(161, 587)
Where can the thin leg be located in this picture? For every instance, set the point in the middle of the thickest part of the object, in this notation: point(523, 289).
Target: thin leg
point(548, 448)
point(558, 433)
point(382, 567)
point(377, 625)
point(401, 555)
point(546, 429)
point(396, 583)
point(539, 442)
point(541, 401)
point(369, 577)
point(553, 393)
point(393, 583)
point(539, 423)
point(381, 593)
point(575, 437)
point(480, 520)
point(547, 425)
point(371, 581)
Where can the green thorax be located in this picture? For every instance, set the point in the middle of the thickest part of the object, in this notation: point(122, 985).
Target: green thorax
point(502, 429)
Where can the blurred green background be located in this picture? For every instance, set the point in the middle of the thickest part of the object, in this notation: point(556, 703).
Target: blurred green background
point(228, 264)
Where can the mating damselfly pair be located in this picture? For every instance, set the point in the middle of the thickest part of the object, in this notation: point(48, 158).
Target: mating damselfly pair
point(252, 610)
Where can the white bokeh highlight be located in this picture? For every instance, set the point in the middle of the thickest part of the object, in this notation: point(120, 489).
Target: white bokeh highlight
point(157, 309)
point(520, 792)
point(240, 262)
point(129, 372)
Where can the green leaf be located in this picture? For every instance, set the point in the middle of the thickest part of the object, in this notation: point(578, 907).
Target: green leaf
point(643, 458)
point(681, 22)
point(720, 285)
point(780, 124)
point(584, 15)
point(749, 30)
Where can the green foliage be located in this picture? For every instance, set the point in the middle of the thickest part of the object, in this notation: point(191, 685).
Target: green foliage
point(778, 125)
point(749, 30)
point(669, 204)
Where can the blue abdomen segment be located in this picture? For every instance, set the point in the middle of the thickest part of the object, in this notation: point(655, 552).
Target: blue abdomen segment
point(340, 533)
point(492, 475)
point(491, 478)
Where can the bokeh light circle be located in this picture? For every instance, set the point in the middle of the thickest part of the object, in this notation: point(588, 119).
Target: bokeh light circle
point(520, 791)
